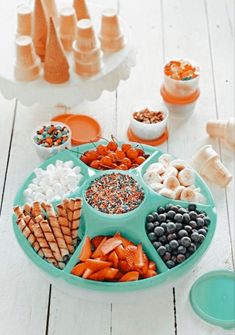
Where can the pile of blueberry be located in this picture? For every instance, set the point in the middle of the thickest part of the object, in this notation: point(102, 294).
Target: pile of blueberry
point(176, 232)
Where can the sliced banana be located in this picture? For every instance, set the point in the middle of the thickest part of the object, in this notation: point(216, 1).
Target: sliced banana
point(189, 195)
point(170, 171)
point(171, 182)
point(165, 159)
point(157, 166)
point(179, 164)
point(156, 186)
point(151, 177)
point(178, 191)
point(166, 192)
point(186, 177)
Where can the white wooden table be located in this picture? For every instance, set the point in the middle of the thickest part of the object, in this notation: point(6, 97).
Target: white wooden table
point(201, 30)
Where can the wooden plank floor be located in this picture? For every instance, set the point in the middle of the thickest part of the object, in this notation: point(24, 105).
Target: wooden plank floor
point(202, 30)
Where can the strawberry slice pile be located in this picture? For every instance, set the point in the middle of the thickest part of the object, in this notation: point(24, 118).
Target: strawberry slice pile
point(113, 258)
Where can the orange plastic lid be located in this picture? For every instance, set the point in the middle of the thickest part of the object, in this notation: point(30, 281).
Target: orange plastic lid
point(132, 137)
point(84, 129)
point(176, 100)
point(61, 118)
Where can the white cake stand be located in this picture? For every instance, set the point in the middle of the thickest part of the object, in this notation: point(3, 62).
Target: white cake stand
point(115, 67)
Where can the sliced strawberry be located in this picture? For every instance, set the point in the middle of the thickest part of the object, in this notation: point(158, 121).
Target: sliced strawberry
point(130, 252)
point(111, 274)
point(96, 241)
point(79, 269)
point(87, 273)
point(96, 264)
point(124, 266)
point(110, 245)
point(99, 275)
point(150, 273)
point(120, 251)
point(130, 276)
point(152, 266)
point(86, 249)
point(97, 252)
point(125, 241)
point(139, 257)
point(113, 257)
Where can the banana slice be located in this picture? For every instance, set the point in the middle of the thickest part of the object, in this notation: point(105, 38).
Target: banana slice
point(156, 186)
point(178, 191)
point(186, 177)
point(166, 192)
point(170, 171)
point(179, 164)
point(151, 177)
point(189, 195)
point(171, 182)
point(157, 166)
point(165, 159)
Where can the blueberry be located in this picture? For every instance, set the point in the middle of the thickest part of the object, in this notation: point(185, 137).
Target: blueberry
point(156, 224)
point(186, 218)
point(185, 241)
point(200, 222)
point(161, 251)
point(193, 215)
point(180, 258)
point(187, 255)
point(202, 231)
point(175, 209)
point(170, 227)
point(207, 221)
point(182, 233)
point(150, 218)
point(178, 217)
point(201, 238)
point(192, 207)
point(174, 252)
point(168, 207)
point(182, 250)
point(170, 264)
point(171, 237)
point(192, 248)
point(178, 226)
point(161, 210)
point(182, 210)
point(167, 256)
point(155, 215)
point(174, 244)
point(149, 227)
point(163, 239)
point(195, 237)
point(152, 237)
point(201, 215)
point(156, 245)
point(162, 217)
point(170, 215)
point(168, 248)
point(188, 229)
point(164, 225)
point(193, 224)
point(159, 231)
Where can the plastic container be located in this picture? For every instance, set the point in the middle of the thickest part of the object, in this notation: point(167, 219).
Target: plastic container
point(131, 225)
point(181, 88)
point(147, 131)
point(45, 152)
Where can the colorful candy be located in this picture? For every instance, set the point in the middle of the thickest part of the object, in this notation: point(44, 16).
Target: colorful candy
point(114, 193)
point(52, 135)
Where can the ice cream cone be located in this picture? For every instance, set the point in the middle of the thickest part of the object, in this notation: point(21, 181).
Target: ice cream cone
point(91, 56)
point(87, 69)
point(85, 40)
point(24, 20)
point(81, 9)
point(56, 67)
point(51, 9)
point(27, 67)
point(208, 164)
point(39, 29)
point(111, 37)
point(223, 129)
point(67, 24)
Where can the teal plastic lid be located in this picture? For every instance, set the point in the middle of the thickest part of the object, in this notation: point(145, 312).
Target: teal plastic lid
point(212, 297)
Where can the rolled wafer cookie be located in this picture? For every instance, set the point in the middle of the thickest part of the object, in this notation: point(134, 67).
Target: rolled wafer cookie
point(36, 209)
point(65, 227)
point(77, 206)
point(18, 212)
point(49, 237)
point(27, 209)
point(69, 209)
point(29, 222)
point(44, 244)
point(56, 229)
point(26, 231)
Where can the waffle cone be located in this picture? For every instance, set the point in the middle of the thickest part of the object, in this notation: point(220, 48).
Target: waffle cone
point(24, 20)
point(110, 26)
point(56, 67)
point(39, 29)
point(81, 9)
point(51, 10)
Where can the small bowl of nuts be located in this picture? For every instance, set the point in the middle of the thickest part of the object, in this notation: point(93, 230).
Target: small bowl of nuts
point(148, 120)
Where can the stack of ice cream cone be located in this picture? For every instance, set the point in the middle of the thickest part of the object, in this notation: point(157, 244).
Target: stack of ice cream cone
point(51, 9)
point(24, 20)
point(56, 67)
point(81, 9)
point(111, 37)
point(86, 53)
point(67, 23)
point(224, 129)
point(28, 64)
point(208, 164)
point(53, 236)
point(40, 29)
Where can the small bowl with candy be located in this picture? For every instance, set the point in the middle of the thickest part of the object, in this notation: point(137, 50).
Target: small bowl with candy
point(51, 138)
point(149, 120)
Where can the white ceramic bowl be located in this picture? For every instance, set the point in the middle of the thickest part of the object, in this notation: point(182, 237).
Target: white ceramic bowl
point(181, 88)
point(45, 152)
point(147, 131)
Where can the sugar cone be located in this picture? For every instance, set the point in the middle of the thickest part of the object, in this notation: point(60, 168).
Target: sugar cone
point(91, 56)
point(85, 35)
point(39, 29)
point(81, 9)
point(215, 171)
point(27, 65)
point(202, 156)
point(67, 25)
point(223, 129)
point(87, 69)
point(56, 67)
point(24, 20)
point(51, 10)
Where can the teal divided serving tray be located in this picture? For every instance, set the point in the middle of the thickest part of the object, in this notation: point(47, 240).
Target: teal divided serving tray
point(131, 225)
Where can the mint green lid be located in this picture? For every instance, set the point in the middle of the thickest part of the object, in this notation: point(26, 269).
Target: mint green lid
point(212, 297)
